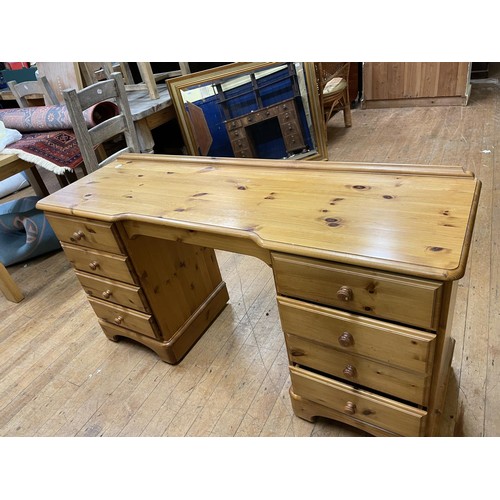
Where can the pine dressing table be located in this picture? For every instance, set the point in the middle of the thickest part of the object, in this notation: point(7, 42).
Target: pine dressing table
point(365, 260)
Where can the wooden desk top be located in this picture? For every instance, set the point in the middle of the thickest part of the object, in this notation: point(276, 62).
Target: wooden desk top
point(7, 95)
point(411, 219)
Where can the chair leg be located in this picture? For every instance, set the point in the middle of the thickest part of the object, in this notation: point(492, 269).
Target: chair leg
point(67, 178)
point(63, 182)
point(36, 182)
point(347, 112)
point(330, 111)
point(100, 153)
point(70, 176)
point(341, 104)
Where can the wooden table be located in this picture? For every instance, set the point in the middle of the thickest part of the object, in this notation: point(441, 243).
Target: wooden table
point(7, 95)
point(365, 260)
point(11, 164)
point(150, 113)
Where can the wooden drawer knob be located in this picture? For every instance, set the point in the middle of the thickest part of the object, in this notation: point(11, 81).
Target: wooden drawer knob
point(93, 265)
point(118, 320)
point(346, 339)
point(350, 408)
point(106, 294)
point(77, 236)
point(349, 371)
point(344, 293)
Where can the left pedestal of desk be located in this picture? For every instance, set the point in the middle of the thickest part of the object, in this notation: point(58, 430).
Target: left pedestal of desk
point(163, 294)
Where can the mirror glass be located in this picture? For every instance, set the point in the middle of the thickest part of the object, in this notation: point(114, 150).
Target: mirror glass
point(251, 110)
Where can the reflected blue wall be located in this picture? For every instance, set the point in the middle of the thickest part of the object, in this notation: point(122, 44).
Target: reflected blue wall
point(267, 136)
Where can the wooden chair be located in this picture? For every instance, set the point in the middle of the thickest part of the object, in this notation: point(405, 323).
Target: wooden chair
point(333, 87)
point(22, 92)
point(41, 86)
point(93, 72)
point(89, 139)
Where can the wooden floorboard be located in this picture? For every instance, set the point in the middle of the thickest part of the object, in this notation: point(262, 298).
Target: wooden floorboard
point(60, 376)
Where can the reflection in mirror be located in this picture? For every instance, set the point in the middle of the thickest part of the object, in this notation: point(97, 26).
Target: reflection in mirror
point(251, 110)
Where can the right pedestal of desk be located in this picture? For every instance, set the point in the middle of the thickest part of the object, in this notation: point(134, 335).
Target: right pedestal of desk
point(366, 347)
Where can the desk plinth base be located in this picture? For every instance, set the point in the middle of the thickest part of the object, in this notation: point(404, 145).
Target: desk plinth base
point(174, 349)
point(310, 411)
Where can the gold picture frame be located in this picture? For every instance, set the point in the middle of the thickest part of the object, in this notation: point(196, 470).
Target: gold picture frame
point(201, 132)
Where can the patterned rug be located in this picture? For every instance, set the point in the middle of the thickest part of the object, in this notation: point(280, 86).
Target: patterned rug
point(47, 136)
point(57, 151)
point(44, 118)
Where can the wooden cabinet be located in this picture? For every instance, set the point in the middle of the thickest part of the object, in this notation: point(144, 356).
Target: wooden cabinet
point(399, 84)
point(287, 118)
point(365, 347)
point(144, 291)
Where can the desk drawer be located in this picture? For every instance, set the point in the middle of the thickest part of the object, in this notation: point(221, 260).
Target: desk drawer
point(260, 116)
point(399, 346)
point(291, 128)
point(361, 405)
point(293, 142)
point(240, 145)
point(233, 124)
point(86, 233)
point(99, 263)
point(287, 115)
point(383, 295)
point(402, 384)
point(113, 291)
point(124, 317)
point(238, 133)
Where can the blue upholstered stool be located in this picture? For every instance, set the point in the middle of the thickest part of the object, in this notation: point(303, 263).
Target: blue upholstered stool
point(24, 231)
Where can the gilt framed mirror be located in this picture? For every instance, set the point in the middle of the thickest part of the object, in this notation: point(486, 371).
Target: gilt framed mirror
point(251, 110)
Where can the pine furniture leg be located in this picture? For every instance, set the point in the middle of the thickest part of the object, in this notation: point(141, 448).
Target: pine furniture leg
point(8, 286)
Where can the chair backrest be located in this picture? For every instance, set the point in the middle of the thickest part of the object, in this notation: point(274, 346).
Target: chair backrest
point(326, 71)
point(33, 87)
point(89, 138)
point(95, 71)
